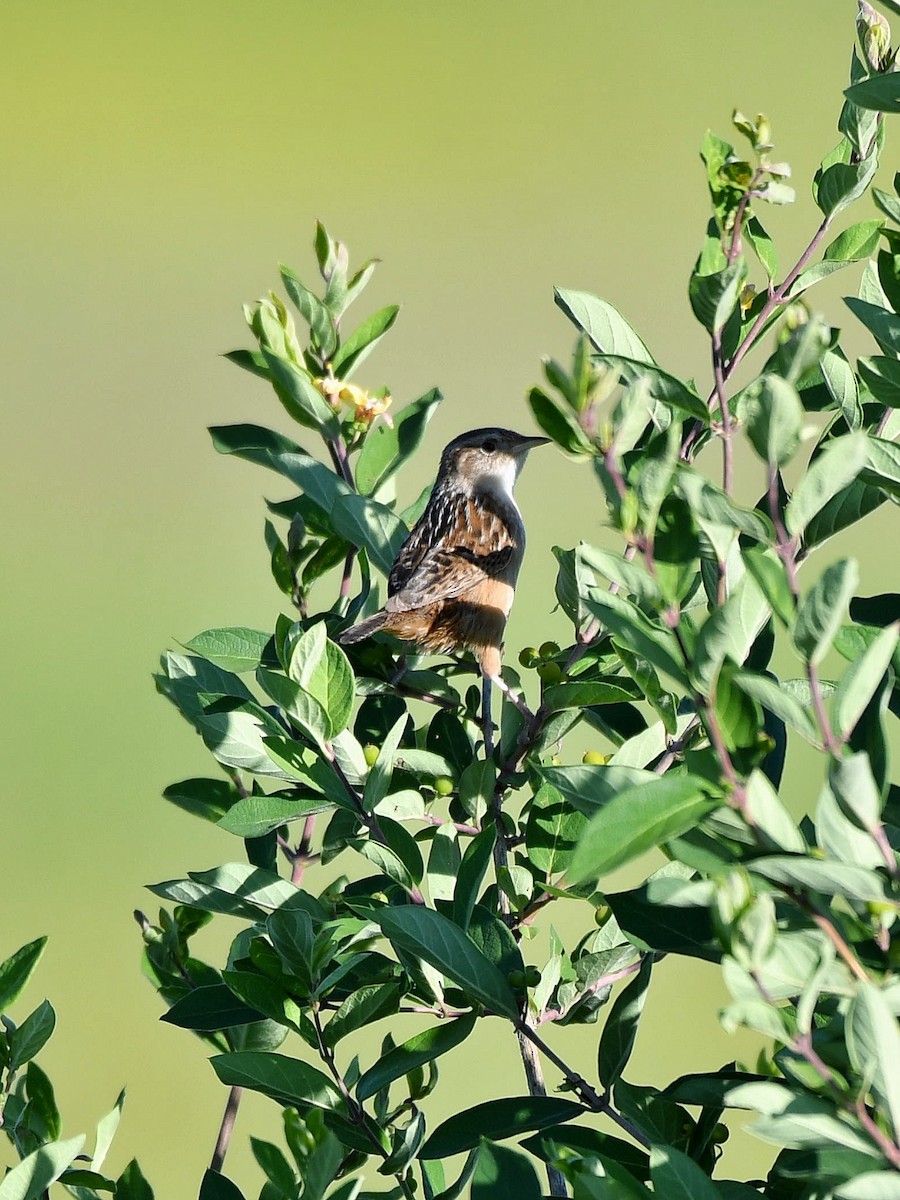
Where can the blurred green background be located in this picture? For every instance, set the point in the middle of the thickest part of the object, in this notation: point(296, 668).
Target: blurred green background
point(159, 161)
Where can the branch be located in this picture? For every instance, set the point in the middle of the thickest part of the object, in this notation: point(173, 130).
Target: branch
point(226, 1129)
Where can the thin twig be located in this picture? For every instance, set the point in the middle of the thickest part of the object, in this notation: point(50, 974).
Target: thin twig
point(582, 1089)
point(226, 1129)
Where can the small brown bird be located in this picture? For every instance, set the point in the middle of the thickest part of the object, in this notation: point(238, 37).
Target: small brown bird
point(453, 581)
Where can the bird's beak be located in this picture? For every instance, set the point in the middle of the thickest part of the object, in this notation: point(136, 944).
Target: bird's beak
point(529, 443)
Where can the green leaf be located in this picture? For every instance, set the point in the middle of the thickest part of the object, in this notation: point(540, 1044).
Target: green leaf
point(314, 312)
point(212, 1006)
point(363, 340)
point(768, 571)
point(218, 1187)
point(883, 325)
point(728, 632)
point(471, 872)
point(815, 875)
point(763, 246)
point(504, 1174)
point(636, 820)
point(291, 933)
point(301, 398)
point(558, 422)
point(842, 183)
point(882, 377)
point(437, 941)
point(870, 1185)
point(381, 771)
point(233, 649)
point(16, 970)
point(416, 1052)
point(627, 573)
point(862, 679)
point(678, 1177)
point(651, 641)
point(668, 914)
point(32, 1177)
point(552, 832)
point(498, 1119)
point(856, 242)
point(233, 736)
point(837, 466)
point(620, 1030)
point(773, 415)
point(372, 1002)
point(662, 386)
point(823, 608)
point(606, 328)
point(873, 1043)
point(766, 809)
point(286, 1080)
point(210, 799)
point(302, 709)
point(31, 1036)
point(131, 1185)
point(714, 297)
point(323, 670)
point(880, 93)
point(388, 447)
point(589, 786)
point(255, 816)
point(280, 454)
point(370, 526)
point(106, 1131)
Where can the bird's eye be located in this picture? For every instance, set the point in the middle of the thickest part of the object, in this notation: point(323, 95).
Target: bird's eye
point(489, 445)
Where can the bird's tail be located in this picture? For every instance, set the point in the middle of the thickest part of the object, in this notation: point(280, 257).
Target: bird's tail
point(356, 633)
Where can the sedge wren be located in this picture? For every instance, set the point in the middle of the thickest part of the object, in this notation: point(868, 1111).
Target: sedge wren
point(453, 581)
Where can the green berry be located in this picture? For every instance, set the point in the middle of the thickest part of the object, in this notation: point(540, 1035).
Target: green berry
point(721, 1134)
point(370, 754)
point(595, 758)
point(529, 657)
point(550, 673)
point(532, 977)
point(516, 979)
point(548, 650)
point(443, 785)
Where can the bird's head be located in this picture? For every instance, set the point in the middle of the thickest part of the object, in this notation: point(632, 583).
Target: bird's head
point(487, 457)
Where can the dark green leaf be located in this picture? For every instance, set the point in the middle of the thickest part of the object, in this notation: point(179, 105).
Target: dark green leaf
point(678, 1177)
point(620, 1030)
point(286, 1080)
point(213, 1006)
point(471, 873)
point(498, 1119)
point(881, 93)
point(714, 297)
point(16, 970)
point(210, 799)
point(414, 1053)
point(371, 526)
point(504, 1174)
point(131, 1184)
point(370, 1003)
point(218, 1187)
point(31, 1036)
point(440, 942)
